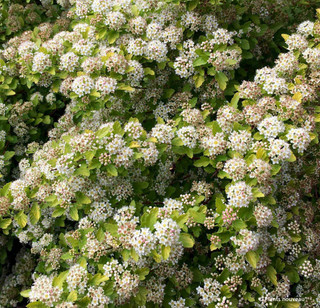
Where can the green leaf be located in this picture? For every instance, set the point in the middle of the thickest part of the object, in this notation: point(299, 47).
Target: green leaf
point(34, 214)
point(36, 305)
point(187, 240)
point(293, 275)
point(73, 212)
point(252, 257)
point(225, 291)
point(245, 44)
point(177, 142)
point(98, 278)
point(222, 80)
point(165, 252)
point(9, 154)
point(5, 223)
point(83, 170)
point(148, 71)
point(238, 224)
point(149, 219)
point(82, 198)
point(291, 304)
point(272, 274)
point(142, 273)
point(112, 36)
point(191, 5)
point(202, 162)
point(141, 298)
point(112, 170)
point(199, 61)
point(292, 158)
point(58, 212)
point(46, 119)
point(198, 217)
point(25, 293)
point(220, 206)
point(199, 80)
point(117, 129)
point(257, 193)
point(72, 297)
point(103, 132)
point(235, 100)
point(59, 280)
point(125, 87)
point(21, 219)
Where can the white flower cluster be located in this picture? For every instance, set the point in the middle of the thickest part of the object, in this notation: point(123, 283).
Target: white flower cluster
point(305, 28)
point(167, 232)
point(188, 135)
point(69, 62)
point(105, 85)
point(157, 51)
point(215, 145)
point(43, 290)
point(100, 211)
point(143, 241)
point(240, 141)
point(41, 62)
point(210, 292)
point(236, 168)
point(82, 85)
point(163, 133)
point(300, 138)
point(180, 303)
point(77, 278)
point(271, 127)
point(263, 215)
point(115, 20)
point(239, 194)
point(249, 240)
point(279, 150)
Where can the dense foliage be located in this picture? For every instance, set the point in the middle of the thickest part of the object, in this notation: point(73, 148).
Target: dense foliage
point(160, 153)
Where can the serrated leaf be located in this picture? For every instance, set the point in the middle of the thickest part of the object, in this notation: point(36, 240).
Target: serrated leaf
point(72, 297)
point(272, 274)
point(112, 36)
point(73, 212)
point(59, 280)
point(198, 80)
point(5, 223)
point(165, 252)
point(292, 158)
point(291, 304)
point(25, 293)
point(82, 198)
point(235, 100)
point(36, 305)
point(148, 71)
point(125, 87)
point(199, 62)
point(9, 154)
point(112, 170)
point(187, 240)
point(285, 36)
point(82, 170)
point(103, 132)
point(202, 162)
point(252, 257)
point(22, 219)
point(222, 80)
point(142, 273)
point(34, 214)
point(58, 212)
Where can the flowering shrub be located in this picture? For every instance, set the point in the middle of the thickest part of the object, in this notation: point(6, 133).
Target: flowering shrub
point(168, 181)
